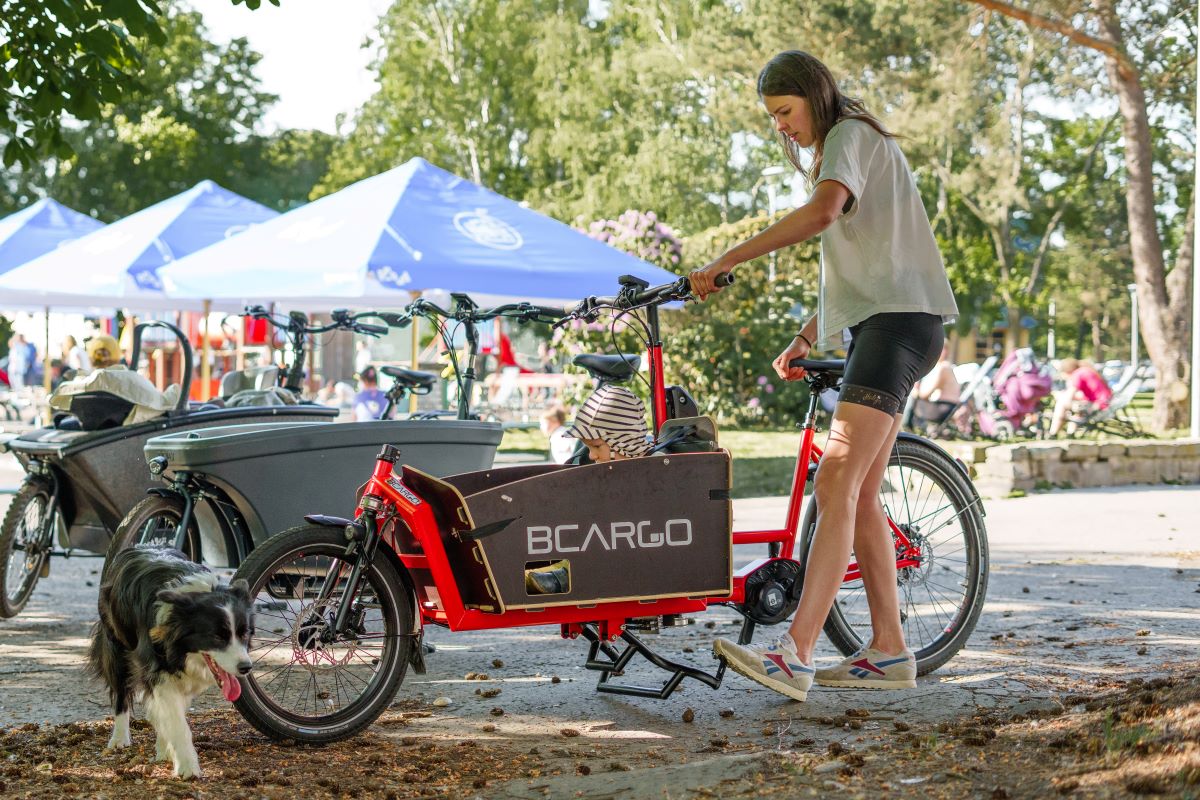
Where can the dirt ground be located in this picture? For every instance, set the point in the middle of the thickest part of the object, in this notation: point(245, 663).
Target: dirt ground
point(1132, 737)
point(1080, 681)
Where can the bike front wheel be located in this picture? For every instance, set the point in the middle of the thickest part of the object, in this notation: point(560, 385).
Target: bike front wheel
point(25, 541)
point(926, 495)
point(311, 683)
point(155, 521)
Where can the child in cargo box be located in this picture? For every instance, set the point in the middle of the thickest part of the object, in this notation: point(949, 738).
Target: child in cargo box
point(612, 423)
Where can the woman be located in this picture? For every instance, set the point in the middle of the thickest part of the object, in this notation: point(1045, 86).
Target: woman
point(1086, 392)
point(74, 357)
point(883, 279)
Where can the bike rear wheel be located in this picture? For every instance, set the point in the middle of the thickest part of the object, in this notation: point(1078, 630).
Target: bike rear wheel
point(308, 683)
point(25, 541)
point(926, 495)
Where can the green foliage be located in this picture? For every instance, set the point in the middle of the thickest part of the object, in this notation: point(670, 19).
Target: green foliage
point(71, 59)
point(6, 332)
point(722, 350)
point(59, 57)
point(580, 116)
point(191, 117)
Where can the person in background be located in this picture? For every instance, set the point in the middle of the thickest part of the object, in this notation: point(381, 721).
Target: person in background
point(103, 351)
point(1086, 391)
point(74, 357)
point(554, 427)
point(18, 361)
point(370, 400)
point(362, 356)
point(940, 384)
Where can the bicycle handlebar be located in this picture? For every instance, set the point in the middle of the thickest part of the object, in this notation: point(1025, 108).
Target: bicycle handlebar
point(634, 297)
point(297, 324)
point(466, 311)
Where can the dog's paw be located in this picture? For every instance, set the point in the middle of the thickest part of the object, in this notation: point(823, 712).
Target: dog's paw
point(162, 752)
point(117, 742)
point(188, 771)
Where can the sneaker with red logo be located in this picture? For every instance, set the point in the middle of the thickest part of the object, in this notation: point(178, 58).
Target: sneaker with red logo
point(775, 666)
point(872, 669)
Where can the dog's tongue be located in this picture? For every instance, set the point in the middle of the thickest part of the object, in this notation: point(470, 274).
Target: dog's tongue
point(230, 687)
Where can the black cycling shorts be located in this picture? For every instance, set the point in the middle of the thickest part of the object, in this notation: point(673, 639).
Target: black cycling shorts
point(888, 354)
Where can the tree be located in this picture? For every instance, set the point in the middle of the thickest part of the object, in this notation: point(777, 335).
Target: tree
point(1147, 48)
point(69, 58)
point(192, 116)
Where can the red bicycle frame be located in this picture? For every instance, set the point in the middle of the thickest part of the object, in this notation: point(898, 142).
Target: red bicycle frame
point(387, 497)
point(908, 554)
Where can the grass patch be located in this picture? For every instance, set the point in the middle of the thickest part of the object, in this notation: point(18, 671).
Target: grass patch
point(525, 440)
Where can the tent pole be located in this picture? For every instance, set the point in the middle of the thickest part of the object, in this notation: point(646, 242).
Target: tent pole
point(205, 369)
point(46, 368)
point(240, 362)
point(416, 351)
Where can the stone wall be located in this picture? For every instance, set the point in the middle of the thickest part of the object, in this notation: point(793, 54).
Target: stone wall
point(1004, 468)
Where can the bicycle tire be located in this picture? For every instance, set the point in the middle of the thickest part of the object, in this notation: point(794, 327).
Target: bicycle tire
point(14, 599)
point(936, 468)
point(135, 529)
point(396, 605)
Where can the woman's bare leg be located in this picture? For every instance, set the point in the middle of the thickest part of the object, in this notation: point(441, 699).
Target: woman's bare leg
point(875, 553)
point(857, 434)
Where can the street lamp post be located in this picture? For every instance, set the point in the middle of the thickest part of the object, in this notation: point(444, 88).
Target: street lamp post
point(1050, 343)
point(767, 174)
point(1133, 324)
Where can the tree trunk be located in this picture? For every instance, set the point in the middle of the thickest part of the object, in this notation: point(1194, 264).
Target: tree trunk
point(1164, 330)
point(1163, 310)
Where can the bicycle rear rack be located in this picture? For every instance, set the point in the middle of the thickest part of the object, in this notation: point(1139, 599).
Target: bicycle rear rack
point(613, 663)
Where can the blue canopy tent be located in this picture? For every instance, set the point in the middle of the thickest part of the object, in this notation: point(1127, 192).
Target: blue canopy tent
point(411, 229)
point(117, 266)
point(38, 229)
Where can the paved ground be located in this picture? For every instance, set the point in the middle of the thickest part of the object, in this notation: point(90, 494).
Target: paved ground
point(1086, 586)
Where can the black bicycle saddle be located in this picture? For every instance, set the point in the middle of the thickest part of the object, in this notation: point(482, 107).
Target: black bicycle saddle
point(410, 377)
point(834, 366)
point(612, 368)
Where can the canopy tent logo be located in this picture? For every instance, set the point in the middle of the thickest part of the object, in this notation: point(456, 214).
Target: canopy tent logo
point(389, 277)
point(484, 229)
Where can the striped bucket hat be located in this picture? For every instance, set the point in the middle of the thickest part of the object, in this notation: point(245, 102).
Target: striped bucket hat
point(617, 417)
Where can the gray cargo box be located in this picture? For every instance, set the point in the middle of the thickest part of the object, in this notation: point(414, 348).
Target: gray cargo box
point(275, 474)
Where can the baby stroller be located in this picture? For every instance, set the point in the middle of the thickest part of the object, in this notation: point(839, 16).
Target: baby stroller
point(1015, 404)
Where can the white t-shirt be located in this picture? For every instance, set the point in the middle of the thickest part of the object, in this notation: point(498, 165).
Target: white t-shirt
point(562, 447)
point(880, 256)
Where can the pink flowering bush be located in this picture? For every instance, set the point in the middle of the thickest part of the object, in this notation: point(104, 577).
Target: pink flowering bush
point(641, 234)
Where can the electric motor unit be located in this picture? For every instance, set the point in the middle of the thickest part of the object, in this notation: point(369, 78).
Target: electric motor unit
point(773, 591)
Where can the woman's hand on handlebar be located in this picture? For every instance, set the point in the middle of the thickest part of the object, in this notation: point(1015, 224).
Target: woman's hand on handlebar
point(705, 280)
point(797, 349)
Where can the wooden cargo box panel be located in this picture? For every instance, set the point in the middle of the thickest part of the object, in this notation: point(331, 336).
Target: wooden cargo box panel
point(638, 529)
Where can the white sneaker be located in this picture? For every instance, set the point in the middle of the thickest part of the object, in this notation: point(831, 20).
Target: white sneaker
point(872, 669)
point(775, 666)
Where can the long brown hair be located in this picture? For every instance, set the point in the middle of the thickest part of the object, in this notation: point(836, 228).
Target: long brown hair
point(797, 74)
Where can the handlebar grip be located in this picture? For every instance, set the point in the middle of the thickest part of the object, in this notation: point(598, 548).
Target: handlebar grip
point(368, 328)
point(724, 279)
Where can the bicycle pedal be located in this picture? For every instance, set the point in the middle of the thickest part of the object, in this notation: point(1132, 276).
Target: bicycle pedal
point(45, 572)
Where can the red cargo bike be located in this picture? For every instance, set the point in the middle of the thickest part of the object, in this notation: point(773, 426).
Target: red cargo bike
point(635, 545)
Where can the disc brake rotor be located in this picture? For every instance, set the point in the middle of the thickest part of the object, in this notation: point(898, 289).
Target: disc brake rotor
point(313, 644)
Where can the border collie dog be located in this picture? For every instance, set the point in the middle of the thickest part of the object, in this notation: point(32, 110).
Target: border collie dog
point(167, 631)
